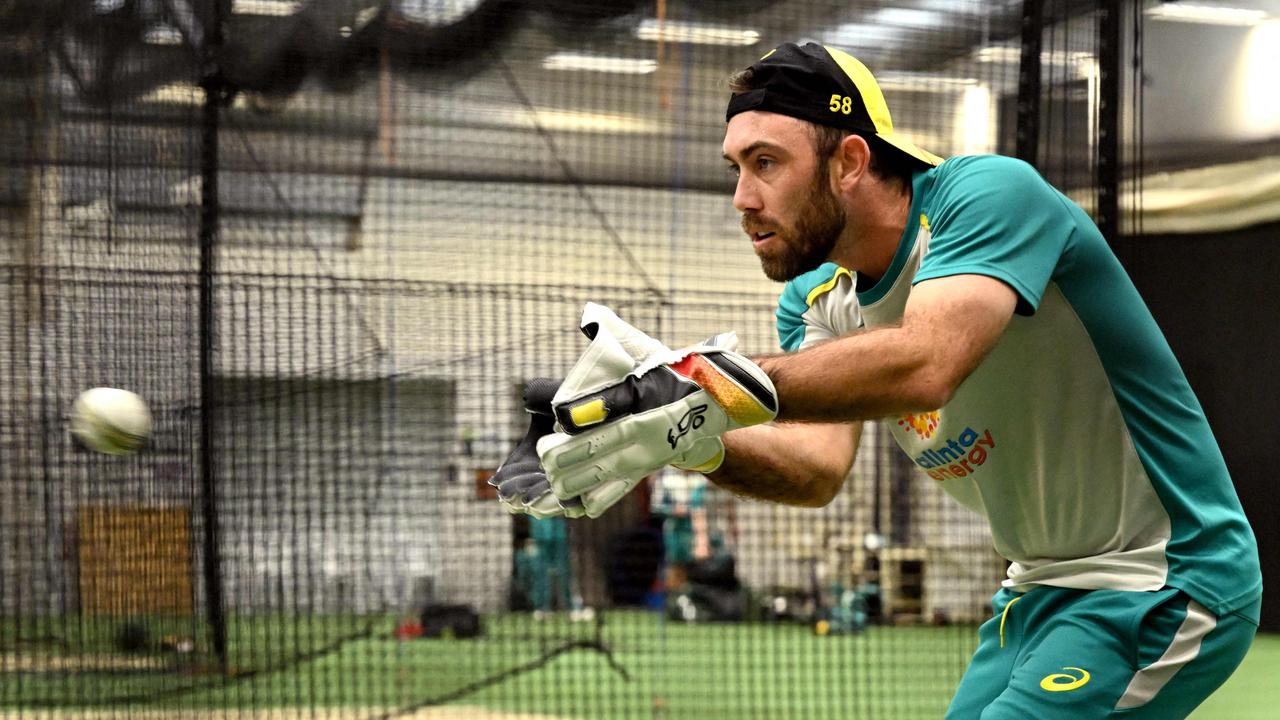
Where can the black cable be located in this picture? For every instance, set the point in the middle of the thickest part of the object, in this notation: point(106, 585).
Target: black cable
point(597, 645)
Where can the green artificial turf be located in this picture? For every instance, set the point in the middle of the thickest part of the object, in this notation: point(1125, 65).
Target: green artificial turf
point(635, 665)
point(1253, 692)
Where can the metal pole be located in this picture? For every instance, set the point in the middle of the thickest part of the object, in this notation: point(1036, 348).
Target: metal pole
point(1028, 123)
point(1108, 150)
point(211, 81)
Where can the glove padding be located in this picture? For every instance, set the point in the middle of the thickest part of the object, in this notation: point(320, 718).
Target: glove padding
point(521, 483)
point(671, 408)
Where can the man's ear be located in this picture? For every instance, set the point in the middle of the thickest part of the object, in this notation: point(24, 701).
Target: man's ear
point(853, 161)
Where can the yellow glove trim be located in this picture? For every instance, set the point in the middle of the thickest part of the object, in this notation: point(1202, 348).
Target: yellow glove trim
point(589, 413)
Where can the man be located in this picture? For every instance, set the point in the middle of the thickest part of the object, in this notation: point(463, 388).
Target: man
point(982, 313)
point(543, 568)
point(679, 497)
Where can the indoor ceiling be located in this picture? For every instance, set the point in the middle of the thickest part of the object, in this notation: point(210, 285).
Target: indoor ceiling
point(622, 99)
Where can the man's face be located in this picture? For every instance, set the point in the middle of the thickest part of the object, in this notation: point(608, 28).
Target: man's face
point(784, 194)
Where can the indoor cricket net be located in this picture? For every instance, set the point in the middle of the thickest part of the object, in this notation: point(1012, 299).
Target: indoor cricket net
point(329, 242)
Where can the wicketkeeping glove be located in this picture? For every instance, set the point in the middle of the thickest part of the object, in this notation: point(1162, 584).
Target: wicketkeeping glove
point(670, 409)
point(521, 483)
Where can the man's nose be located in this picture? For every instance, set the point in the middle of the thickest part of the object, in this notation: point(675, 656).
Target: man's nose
point(745, 197)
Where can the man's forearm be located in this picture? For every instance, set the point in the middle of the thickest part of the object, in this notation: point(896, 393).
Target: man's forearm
point(863, 376)
point(789, 463)
point(948, 327)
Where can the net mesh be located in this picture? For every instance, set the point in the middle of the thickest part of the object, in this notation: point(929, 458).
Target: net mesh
point(413, 202)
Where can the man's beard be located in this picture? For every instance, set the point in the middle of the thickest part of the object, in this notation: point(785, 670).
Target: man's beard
point(804, 247)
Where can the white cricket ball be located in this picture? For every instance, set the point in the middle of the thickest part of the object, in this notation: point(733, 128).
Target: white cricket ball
point(110, 420)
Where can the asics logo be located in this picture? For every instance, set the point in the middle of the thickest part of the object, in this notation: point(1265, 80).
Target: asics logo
point(1063, 682)
point(691, 420)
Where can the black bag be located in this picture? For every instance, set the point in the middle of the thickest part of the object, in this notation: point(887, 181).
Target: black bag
point(460, 621)
point(717, 571)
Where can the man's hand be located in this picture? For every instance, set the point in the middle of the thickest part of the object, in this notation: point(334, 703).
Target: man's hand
point(521, 483)
point(618, 426)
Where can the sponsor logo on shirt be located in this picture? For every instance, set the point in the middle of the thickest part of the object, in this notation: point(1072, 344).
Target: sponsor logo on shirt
point(1064, 682)
point(960, 456)
point(924, 424)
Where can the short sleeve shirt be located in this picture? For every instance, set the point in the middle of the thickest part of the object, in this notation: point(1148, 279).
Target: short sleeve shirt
point(1078, 436)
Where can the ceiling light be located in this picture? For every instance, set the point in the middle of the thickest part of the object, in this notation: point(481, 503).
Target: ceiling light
point(908, 17)
point(999, 54)
point(162, 35)
point(1076, 60)
point(596, 63)
point(1011, 54)
point(571, 121)
point(960, 7)
point(695, 33)
point(434, 12)
point(1206, 14)
point(922, 82)
point(183, 93)
point(269, 8)
point(178, 93)
point(862, 35)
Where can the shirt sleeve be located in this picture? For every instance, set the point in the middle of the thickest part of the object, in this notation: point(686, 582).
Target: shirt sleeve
point(995, 216)
point(798, 325)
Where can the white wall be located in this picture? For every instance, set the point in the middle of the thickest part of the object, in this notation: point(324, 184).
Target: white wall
point(1211, 82)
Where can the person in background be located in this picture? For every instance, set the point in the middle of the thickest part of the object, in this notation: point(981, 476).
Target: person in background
point(680, 499)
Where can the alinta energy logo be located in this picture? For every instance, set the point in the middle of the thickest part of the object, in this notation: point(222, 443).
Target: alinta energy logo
point(925, 424)
point(958, 457)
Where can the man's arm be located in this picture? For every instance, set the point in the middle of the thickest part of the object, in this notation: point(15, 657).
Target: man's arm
point(949, 326)
point(701, 533)
point(792, 463)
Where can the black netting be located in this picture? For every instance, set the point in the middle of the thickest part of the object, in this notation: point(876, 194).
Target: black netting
point(329, 242)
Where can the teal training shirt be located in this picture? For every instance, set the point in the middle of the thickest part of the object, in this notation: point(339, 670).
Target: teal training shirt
point(1078, 436)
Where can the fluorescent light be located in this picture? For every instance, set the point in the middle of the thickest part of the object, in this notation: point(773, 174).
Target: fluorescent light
point(433, 12)
point(999, 54)
point(162, 35)
point(908, 17)
point(183, 93)
point(178, 93)
point(1080, 62)
point(695, 33)
point(597, 63)
point(269, 8)
point(570, 121)
point(1206, 14)
point(862, 35)
point(1011, 54)
point(923, 82)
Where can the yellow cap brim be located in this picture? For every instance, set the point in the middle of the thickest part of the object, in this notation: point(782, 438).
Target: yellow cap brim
point(918, 153)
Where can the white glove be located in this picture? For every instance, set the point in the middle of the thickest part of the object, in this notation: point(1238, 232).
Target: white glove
point(670, 408)
point(521, 483)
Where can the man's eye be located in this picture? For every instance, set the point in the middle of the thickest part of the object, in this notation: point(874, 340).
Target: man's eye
point(764, 163)
point(734, 170)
